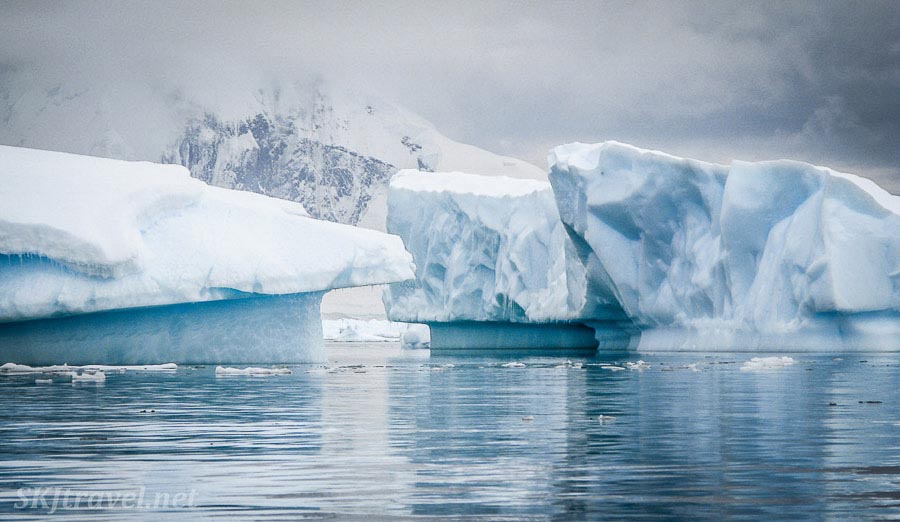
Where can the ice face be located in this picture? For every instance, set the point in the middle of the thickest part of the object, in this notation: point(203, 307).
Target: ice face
point(763, 252)
point(800, 240)
point(255, 330)
point(695, 256)
point(81, 234)
point(647, 227)
point(485, 248)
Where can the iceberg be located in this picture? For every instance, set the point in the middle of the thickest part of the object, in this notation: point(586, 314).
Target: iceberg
point(752, 256)
point(639, 249)
point(491, 269)
point(204, 274)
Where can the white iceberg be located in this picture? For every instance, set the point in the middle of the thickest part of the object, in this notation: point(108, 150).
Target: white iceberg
point(753, 256)
point(641, 249)
point(489, 250)
point(80, 235)
point(88, 376)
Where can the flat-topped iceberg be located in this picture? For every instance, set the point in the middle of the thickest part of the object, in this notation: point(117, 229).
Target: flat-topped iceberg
point(752, 256)
point(80, 235)
point(489, 250)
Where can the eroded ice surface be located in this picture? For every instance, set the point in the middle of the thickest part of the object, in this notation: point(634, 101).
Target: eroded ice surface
point(275, 329)
point(485, 248)
point(766, 256)
point(754, 253)
point(81, 234)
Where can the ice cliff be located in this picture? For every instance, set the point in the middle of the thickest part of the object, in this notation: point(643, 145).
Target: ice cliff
point(487, 250)
point(751, 256)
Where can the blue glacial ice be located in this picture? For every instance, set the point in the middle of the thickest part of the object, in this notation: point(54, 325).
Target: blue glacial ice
point(489, 251)
point(654, 252)
point(81, 236)
point(755, 256)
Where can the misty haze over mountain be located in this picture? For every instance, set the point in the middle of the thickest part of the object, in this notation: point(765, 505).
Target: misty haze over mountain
point(814, 81)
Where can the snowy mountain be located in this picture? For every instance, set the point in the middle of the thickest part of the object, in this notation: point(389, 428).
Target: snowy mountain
point(329, 149)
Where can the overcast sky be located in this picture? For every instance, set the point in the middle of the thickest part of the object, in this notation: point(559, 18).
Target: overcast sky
point(816, 81)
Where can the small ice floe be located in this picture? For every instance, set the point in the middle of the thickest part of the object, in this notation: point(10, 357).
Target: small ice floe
point(692, 367)
point(88, 376)
point(513, 365)
point(15, 369)
point(416, 336)
point(19, 369)
point(251, 371)
point(528, 418)
point(167, 367)
point(569, 365)
point(611, 367)
point(639, 366)
point(767, 363)
point(43, 381)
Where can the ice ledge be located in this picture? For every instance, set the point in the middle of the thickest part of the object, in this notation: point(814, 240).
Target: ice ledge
point(80, 234)
point(462, 336)
point(257, 330)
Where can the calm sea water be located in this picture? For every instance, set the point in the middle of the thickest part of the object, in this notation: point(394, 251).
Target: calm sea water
point(398, 434)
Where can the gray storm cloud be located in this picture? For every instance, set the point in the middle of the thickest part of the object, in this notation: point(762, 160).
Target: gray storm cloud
point(816, 81)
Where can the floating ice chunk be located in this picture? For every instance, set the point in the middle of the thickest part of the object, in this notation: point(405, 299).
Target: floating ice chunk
point(43, 381)
point(13, 368)
point(251, 371)
point(639, 366)
point(417, 336)
point(167, 367)
point(569, 365)
point(88, 376)
point(513, 365)
point(767, 363)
